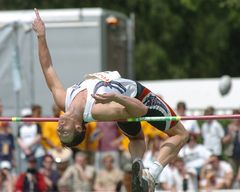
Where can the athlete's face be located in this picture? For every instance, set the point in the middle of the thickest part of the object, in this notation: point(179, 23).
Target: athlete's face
point(66, 128)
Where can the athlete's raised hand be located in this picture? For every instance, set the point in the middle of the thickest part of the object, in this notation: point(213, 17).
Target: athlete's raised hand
point(104, 98)
point(38, 25)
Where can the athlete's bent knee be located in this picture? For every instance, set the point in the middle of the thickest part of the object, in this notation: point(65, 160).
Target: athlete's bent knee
point(179, 129)
point(139, 136)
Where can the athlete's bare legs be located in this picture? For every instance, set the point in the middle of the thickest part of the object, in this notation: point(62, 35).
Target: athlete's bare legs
point(169, 149)
point(137, 146)
point(171, 146)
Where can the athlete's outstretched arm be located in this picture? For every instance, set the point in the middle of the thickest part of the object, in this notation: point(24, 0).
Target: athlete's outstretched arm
point(50, 75)
point(112, 106)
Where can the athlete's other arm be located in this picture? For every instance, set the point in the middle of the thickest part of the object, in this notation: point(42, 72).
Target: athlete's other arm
point(53, 82)
point(111, 106)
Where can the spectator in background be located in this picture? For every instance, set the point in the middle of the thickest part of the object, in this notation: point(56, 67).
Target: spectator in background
point(51, 175)
point(184, 178)
point(37, 113)
point(126, 184)
point(191, 125)
point(7, 146)
point(108, 178)
point(6, 181)
point(209, 180)
point(6, 165)
point(6, 177)
point(28, 138)
point(79, 176)
point(220, 170)
point(212, 133)
point(50, 137)
point(237, 180)
point(194, 155)
point(36, 110)
point(90, 143)
point(232, 139)
point(31, 179)
point(52, 144)
point(166, 179)
point(109, 139)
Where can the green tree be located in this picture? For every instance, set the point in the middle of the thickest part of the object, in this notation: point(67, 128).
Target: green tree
point(174, 38)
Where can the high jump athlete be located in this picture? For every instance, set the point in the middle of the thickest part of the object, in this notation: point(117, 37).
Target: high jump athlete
point(105, 96)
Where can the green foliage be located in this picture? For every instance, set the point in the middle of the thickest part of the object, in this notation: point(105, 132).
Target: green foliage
point(230, 3)
point(174, 38)
point(154, 59)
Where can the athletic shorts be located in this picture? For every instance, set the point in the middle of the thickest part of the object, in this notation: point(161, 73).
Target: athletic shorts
point(156, 107)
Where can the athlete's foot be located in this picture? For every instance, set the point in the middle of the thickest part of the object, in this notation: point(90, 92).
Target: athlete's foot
point(137, 168)
point(148, 181)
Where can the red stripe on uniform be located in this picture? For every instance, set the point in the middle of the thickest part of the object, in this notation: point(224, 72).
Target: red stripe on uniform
point(143, 94)
point(173, 123)
point(146, 91)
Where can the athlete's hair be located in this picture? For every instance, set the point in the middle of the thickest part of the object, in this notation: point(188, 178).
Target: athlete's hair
point(77, 138)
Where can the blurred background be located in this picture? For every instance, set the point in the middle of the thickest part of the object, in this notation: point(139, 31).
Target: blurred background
point(184, 50)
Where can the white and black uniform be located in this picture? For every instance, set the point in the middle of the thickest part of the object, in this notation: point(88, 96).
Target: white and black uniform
point(94, 85)
point(111, 82)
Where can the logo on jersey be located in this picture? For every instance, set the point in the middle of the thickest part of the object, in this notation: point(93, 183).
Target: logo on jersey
point(75, 87)
point(153, 102)
point(111, 84)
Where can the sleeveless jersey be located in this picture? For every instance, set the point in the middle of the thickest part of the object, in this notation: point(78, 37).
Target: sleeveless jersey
point(103, 82)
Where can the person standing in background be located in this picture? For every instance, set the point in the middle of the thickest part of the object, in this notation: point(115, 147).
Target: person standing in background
point(191, 125)
point(28, 138)
point(31, 180)
point(194, 155)
point(232, 141)
point(51, 175)
point(36, 110)
point(108, 178)
point(109, 139)
point(183, 178)
point(37, 113)
point(7, 146)
point(79, 176)
point(212, 133)
point(52, 144)
point(50, 137)
point(222, 170)
point(6, 180)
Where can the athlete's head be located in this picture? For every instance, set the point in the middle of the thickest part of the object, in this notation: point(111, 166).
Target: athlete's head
point(71, 132)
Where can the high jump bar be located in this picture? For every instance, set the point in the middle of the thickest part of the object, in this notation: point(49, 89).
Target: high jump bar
point(166, 118)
